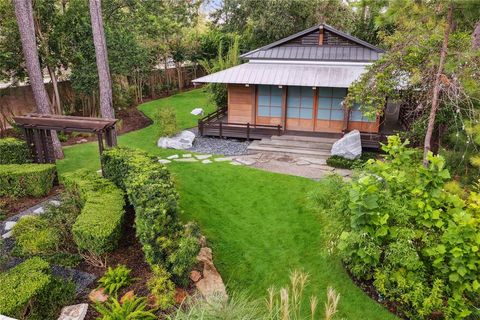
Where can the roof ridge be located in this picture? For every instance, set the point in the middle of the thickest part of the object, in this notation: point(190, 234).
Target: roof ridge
point(311, 29)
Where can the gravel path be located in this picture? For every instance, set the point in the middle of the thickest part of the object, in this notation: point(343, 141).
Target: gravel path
point(228, 147)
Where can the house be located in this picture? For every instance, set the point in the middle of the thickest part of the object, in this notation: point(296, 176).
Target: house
point(295, 85)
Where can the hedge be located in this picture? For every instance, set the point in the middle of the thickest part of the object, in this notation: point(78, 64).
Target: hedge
point(21, 284)
point(21, 180)
point(14, 151)
point(152, 192)
point(99, 224)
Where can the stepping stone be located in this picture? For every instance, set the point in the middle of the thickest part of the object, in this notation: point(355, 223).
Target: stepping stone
point(203, 156)
point(236, 163)
point(206, 161)
point(246, 161)
point(2, 317)
point(186, 160)
point(9, 225)
point(187, 155)
point(313, 160)
point(55, 203)
point(222, 159)
point(175, 156)
point(7, 235)
point(164, 161)
point(39, 210)
point(74, 312)
point(99, 171)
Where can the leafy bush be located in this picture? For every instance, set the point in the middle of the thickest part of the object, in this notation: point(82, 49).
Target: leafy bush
point(115, 279)
point(30, 291)
point(98, 227)
point(133, 308)
point(344, 163)
point(20, 180)
point(166, 122)
point(151, 191)
point(14, 151)
point(162, 288)
point(33, 235)
point(415, 238)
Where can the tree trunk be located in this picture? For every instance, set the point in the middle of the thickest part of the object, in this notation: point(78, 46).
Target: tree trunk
point(105, 82)
point(476, 37)
point(24, 14)
point(436, 87)
point(58, 103)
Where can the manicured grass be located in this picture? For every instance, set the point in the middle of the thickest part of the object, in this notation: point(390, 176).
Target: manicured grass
point(257, 222)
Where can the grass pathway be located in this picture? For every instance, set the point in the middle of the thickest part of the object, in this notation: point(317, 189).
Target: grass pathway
point(256, 221)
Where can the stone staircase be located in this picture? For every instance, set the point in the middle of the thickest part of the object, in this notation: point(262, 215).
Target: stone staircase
point(314, 147)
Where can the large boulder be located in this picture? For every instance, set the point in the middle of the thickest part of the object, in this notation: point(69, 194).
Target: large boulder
point(349, 146)
point(211, 285)
point(183, 140)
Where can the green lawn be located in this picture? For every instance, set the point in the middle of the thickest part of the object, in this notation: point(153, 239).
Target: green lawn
point(257, 222)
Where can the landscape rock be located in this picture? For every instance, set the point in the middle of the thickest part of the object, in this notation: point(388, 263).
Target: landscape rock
point(180, 295)
point(197, 111)
point(206, 161)
point(39, 210)
point(195, 275)
point(349, 146)
point(211, 286)
point(246, 161)
point(98, 295)
point(235, 163)
point(127, 296)
point(202, 156)
point(9, 225)
point(202, 241)
point(152, 301)
point(164, 161)
point(7, 235)
point(222, 159)
point(74, 312)
point(187, 155)
point(174, 156)
point(2, 317)
point(302, 163)
point(56, 203)
point(183, 140)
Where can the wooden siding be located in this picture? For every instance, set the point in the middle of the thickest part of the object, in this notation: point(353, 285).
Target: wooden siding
point(332, 39)
point(327, 38)
point(241, 103)
point(310, 39)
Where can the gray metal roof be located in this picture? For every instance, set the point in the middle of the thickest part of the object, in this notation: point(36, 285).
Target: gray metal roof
point(319, 53)
point(311, 75)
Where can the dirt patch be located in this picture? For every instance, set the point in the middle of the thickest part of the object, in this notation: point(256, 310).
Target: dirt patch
point(12, 206)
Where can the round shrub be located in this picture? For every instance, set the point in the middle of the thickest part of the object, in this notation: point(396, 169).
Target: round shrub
point(14, 151)
point(33, 236)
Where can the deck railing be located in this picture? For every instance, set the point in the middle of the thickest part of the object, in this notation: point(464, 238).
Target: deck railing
point(212, 125)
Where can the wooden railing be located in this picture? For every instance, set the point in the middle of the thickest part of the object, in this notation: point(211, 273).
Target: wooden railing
point(212, 125)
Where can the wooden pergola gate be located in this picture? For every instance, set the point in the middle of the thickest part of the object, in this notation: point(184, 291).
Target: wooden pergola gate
point(38, 127)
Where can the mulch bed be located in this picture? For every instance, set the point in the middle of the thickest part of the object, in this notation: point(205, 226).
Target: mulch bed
point(12, 206)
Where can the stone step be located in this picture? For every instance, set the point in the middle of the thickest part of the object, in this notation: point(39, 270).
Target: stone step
point(257, 147)
point(297, 144)
point(305, 138)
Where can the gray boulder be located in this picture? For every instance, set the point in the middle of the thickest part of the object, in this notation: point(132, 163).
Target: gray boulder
point(183, 140)
point(349, 146)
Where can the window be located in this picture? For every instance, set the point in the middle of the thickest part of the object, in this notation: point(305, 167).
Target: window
point(300, 102)
point(269, 101)
point(357, 115)
point(330, 103)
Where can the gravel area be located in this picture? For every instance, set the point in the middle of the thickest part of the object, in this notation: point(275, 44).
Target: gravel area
point(228, 147)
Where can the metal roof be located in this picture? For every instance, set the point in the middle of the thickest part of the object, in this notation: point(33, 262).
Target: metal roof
point(323, 53)
point(292, 74)
point(312, 29)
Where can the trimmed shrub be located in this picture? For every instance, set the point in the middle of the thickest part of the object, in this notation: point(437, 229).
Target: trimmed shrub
point(30, 291)
point(162, 288)
point(14, 151)
point(166, 122)
point(151, 191)
point(97, 228)
point(344, 163)
point(33, 235)
point(21, 180)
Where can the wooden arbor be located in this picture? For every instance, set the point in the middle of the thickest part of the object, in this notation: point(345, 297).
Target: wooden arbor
point(37, 128)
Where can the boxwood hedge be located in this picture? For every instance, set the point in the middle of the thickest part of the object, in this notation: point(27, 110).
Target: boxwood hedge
point(14, 151)
point(98, 227)
point(21, 180)
point(152, 192)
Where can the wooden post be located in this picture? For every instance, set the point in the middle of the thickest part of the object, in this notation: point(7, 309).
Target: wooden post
point(248, 131)
point(100, 149)
point(49, 150)
point(39, 158)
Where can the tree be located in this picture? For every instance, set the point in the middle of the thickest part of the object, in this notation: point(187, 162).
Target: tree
point(104, 79)
point(24, 14)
